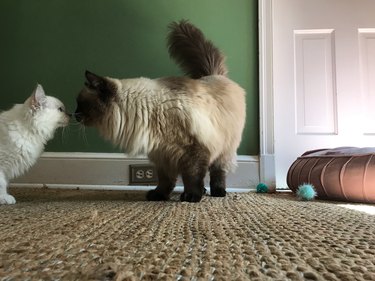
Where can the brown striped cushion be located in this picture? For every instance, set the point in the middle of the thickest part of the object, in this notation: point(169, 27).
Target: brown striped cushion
point(344, 173)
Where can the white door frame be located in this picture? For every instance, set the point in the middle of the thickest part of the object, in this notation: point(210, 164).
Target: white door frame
point(266, 95)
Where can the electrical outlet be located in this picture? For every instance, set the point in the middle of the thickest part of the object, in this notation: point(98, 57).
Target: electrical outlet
point(143, 174)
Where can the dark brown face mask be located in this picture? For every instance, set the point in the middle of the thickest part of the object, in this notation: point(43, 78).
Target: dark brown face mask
point(93, 99)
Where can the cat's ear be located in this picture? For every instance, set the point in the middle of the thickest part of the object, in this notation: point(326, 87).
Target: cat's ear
point(104, 88)
point(38, 97)
point(94, 81)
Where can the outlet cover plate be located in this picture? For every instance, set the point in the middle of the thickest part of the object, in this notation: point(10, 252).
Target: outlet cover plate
point(143, 174)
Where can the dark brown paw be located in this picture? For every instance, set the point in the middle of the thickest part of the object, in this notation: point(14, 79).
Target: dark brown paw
point(154, 195)
point(190, 197)
point(218, 192)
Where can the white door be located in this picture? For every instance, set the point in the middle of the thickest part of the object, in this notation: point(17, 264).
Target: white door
point(324, 77)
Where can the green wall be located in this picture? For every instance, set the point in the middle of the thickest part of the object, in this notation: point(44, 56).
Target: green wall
point(54, 41)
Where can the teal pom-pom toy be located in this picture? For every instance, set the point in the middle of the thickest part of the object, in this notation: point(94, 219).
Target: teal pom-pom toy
point(262, 188)
point(306, 192)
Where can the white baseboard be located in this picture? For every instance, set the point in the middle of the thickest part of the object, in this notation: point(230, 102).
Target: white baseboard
point(110, 171)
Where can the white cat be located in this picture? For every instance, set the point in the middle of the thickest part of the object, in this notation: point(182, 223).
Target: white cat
point(24, 131)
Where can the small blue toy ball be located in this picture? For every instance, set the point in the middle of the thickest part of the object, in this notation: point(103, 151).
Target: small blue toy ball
point(262, 188)
point(306, 192)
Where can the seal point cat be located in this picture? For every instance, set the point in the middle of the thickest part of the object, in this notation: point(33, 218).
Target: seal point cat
point(187, 125)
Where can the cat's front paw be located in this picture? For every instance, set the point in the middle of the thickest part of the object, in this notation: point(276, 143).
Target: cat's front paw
point(218, 192)
point(190, 197)
point(155, 195)
point(6, 199)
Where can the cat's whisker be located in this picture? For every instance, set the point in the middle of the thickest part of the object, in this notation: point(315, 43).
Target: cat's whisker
point(63, 133)
point(76, 125)
point(80, 129)
point(82, 133)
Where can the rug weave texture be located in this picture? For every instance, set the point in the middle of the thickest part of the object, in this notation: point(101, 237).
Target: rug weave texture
point(117, 235)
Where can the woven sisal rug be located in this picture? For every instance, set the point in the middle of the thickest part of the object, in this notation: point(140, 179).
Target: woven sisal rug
point(116, 235)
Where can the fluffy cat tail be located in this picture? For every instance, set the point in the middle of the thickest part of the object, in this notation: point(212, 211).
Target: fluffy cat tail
point(196, 55)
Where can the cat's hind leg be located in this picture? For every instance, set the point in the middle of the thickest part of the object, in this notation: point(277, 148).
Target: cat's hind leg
point(193, 167)
point(5, 198)
point(166, 184)
point(217, 179)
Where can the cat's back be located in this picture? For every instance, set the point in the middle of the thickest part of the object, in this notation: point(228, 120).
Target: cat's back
point(212, 86)
point(215, 105)
point(17, 129)
point(8, 123)
point(226, 96)
point(18, 148)
point(209, 93)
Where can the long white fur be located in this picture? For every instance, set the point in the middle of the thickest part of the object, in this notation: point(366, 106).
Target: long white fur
point(24, 131)
point(213, 112)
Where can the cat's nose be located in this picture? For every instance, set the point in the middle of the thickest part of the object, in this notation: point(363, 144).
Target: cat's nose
point(78, 116)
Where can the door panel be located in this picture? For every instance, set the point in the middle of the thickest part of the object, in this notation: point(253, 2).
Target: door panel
point(367, 73)
point(315, 82)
